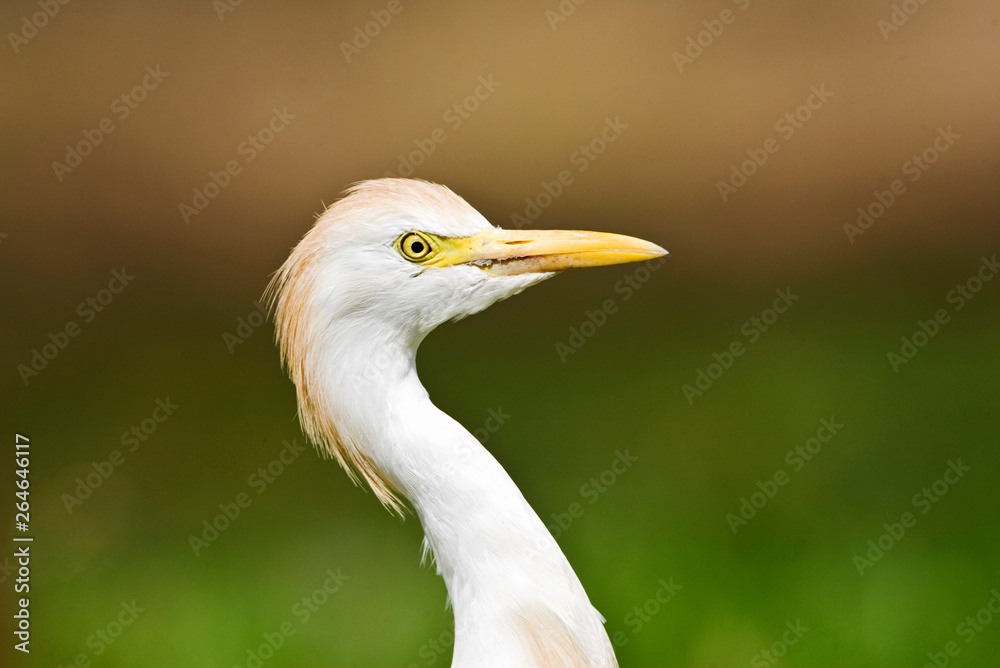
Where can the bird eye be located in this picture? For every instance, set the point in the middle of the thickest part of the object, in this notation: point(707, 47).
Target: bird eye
point(414, 246)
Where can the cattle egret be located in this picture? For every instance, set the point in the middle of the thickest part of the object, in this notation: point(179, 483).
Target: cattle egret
point(380, 269)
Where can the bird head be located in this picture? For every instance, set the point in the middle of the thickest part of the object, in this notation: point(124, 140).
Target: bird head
point(394, 259)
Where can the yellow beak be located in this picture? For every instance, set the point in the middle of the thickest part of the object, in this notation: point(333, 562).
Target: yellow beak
point(505, 252)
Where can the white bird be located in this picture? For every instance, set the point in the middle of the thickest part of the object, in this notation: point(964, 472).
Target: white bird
point(380, 269)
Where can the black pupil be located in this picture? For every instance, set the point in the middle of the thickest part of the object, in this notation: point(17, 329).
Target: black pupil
point(416, 247)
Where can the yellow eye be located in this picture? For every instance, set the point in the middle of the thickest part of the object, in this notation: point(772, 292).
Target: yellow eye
point(415, 246)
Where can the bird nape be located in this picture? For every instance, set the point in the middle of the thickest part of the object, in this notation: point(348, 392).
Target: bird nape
point(379, 270)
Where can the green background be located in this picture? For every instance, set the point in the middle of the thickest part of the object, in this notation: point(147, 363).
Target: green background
point(664, 518)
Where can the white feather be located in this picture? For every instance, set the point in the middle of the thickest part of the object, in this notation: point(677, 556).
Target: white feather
point(351, 314)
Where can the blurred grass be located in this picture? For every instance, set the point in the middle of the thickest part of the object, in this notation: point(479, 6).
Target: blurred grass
point(664, 518)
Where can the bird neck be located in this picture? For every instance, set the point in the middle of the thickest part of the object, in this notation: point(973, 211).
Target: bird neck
point(508, 581)
point(470, 508)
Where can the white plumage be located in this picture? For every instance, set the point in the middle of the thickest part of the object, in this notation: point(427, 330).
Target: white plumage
point(380, 269)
